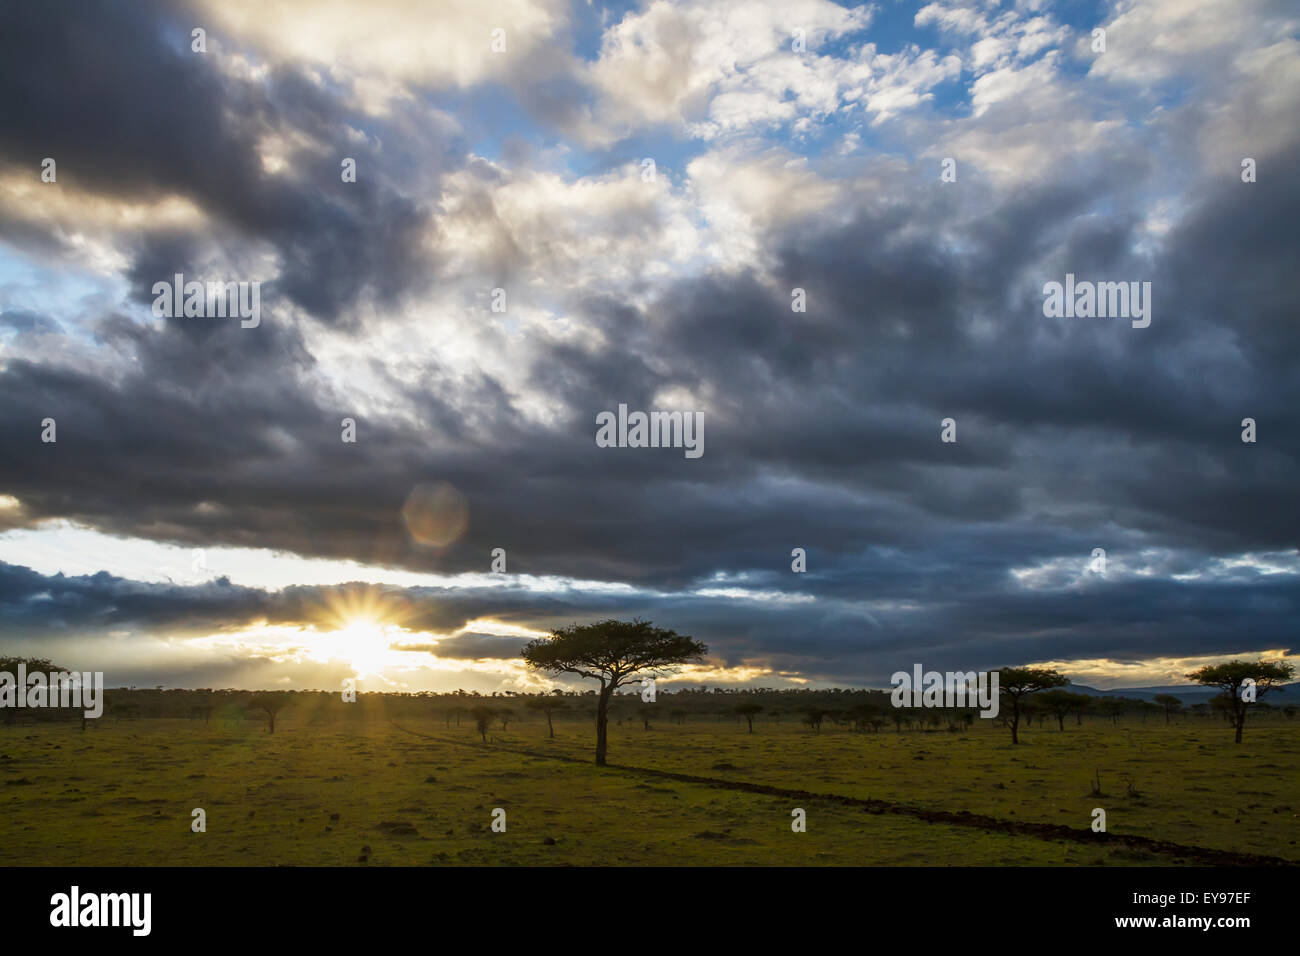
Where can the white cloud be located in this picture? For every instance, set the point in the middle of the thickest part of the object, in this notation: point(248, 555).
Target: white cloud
point(1003, 41)
point(720, 66)
point(384, 43)
point(1149, 41)
point(744, 198)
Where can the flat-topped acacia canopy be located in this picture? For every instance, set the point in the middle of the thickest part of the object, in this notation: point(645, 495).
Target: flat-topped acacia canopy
point(611, 652)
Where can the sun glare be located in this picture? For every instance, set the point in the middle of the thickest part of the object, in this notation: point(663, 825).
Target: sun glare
point(363, 644)
point(360, 627)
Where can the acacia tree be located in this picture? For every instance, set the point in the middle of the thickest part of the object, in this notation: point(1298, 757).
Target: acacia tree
point(1113, 707)
point(270, 704)
point(9, 665)
point(1029, 710)
point(1169, 704)
point(1231, 678)
point(482, 720)
point(748, 711)
point(1060, 704)
point(547, 706)
point(813, 717)
point(611, 652)
point(1017, 682)
point(862, 714)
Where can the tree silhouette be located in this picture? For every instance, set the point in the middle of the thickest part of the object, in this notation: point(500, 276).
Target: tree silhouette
point(482, 720)
point(1231, 678)
point(813, 717)
point(270, 704)
point(611, 652)
point(1016, 683)
point(1112, 707)
point(547, 706)
point(9, 665)
point(748, 711)
point(1060, 704)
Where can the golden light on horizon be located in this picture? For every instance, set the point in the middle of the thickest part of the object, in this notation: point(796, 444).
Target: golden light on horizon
point(362, 643)
point(360, 625)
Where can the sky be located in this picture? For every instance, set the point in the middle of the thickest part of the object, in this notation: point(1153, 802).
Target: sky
point(822, 230)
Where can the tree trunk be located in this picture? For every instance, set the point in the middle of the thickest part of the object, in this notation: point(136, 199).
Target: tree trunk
point(1241, 722)
point(1015, 728)
point(550, 726)
point(751, 725)
point(271, 719)
point(602, 724)
point(1060, 721)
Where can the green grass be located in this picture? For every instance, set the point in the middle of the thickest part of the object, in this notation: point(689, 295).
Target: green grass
point(121, 794)
point(1191, 784)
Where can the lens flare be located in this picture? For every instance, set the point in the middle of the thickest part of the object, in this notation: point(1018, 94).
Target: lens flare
point(435, 514)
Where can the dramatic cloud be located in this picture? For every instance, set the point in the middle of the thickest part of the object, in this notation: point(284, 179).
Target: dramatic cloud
point(626, 208)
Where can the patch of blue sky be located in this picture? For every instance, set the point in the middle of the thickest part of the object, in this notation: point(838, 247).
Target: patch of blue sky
point(491, 118)
point(592, 19)
point(499, 126)
point(891, 28)
point(666, 145)
point(58, 292)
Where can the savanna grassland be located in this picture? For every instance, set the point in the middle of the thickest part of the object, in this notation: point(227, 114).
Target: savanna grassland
point(422, 792)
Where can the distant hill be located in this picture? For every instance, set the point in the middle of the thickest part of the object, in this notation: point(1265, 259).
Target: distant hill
point(1187, 693)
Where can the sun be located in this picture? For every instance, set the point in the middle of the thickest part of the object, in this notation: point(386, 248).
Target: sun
point(364, 644)
point(360, 627)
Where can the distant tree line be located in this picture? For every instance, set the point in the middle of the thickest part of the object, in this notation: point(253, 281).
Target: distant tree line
point(862, 711)
point(1030, 697)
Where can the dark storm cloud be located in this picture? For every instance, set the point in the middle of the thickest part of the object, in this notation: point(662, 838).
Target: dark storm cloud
point(832, 447)
point(38, 606)
point(822, 430)
point(118, 99)
point(472, 647)
point(826, 641)
point(24, 320)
